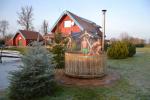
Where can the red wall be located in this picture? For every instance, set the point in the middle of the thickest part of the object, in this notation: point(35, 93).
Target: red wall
point(16, 40)
point(66, 30)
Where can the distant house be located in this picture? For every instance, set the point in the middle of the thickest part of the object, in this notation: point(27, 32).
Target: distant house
point(70, 24)
point(24, 38)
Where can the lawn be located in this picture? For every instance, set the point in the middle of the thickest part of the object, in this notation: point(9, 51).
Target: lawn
point(22, 50)
point(133, 85)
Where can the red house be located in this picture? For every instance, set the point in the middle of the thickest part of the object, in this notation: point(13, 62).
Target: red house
point(24, 38)
point(71, 24)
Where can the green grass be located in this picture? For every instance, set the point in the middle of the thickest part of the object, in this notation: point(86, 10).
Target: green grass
point(133, 85)
point(22, 50)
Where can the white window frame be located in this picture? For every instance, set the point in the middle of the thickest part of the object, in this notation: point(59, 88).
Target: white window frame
point(67, 23)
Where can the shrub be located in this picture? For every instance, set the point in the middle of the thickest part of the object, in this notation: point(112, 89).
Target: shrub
point(131, 49)
point(35, 77)
point(58, 38)
point(106, 46)
point(59, 55)
point(58, 49)
point(2, 42)
point(118, 50)
point(140, 45)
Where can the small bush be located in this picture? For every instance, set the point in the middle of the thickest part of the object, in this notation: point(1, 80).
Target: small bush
point(58, 38)
point(59, 55)
point(131, 49)
point(106, 46)
point(58, 49)
point(2, 42)
point(118, 50)
point(140, 45)
point(35, 77)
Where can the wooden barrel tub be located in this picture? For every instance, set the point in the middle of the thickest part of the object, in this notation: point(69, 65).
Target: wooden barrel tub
point(85, 66)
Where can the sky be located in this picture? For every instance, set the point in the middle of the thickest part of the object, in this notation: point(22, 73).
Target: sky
point(130, 16)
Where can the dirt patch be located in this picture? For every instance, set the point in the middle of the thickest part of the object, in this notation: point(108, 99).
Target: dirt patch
point(2, 93)
point(107, 80)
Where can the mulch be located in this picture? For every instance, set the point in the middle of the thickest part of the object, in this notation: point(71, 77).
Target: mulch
point(109, 79)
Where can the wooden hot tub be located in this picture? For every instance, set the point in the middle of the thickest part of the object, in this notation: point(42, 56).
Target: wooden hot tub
point(85, 66)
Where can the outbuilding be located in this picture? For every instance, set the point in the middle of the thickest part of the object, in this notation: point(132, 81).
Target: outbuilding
point(72, 24)
point(25, 38)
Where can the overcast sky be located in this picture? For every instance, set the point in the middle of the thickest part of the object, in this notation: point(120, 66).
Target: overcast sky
point(131, 16)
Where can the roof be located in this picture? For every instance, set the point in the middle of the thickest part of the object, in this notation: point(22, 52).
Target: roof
point(32, 35)
point(83, 24)
point(52, 35)
point(48, 35)
point(86, 24)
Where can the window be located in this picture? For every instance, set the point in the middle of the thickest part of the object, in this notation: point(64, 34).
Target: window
point(20, 38)
point(67, 23)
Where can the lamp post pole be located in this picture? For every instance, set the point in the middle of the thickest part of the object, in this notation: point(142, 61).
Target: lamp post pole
point(103, 35)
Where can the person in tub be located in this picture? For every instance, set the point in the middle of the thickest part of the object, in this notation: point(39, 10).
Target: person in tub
point(69, 43)
point(96, 48)
point(84, 46)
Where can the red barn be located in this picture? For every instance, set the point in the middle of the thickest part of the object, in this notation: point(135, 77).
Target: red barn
point(24, 38)
point(69, 23)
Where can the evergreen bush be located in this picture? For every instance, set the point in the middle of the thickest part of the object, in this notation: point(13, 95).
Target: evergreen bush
point(59, 55)
point(35, 77)
point(140, 45)
point(118, 50)
point(58, 50)
point(2, 42)
point(58, 38)
point(131, 49)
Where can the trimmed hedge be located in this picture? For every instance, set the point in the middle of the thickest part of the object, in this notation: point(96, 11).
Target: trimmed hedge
point(140, 45)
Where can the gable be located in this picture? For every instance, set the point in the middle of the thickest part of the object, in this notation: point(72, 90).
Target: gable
point(19, 35)
point(66, 25)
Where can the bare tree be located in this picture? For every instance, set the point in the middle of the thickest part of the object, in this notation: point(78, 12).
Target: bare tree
point(3, 27)
point(26, 17)
point(45, 27)
point(124, 36)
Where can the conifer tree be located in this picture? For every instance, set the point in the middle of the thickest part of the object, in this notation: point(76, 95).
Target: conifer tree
point(35, 76)
point(58, 50)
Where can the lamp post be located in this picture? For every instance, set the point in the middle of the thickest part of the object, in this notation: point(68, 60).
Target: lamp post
point(103, 35)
